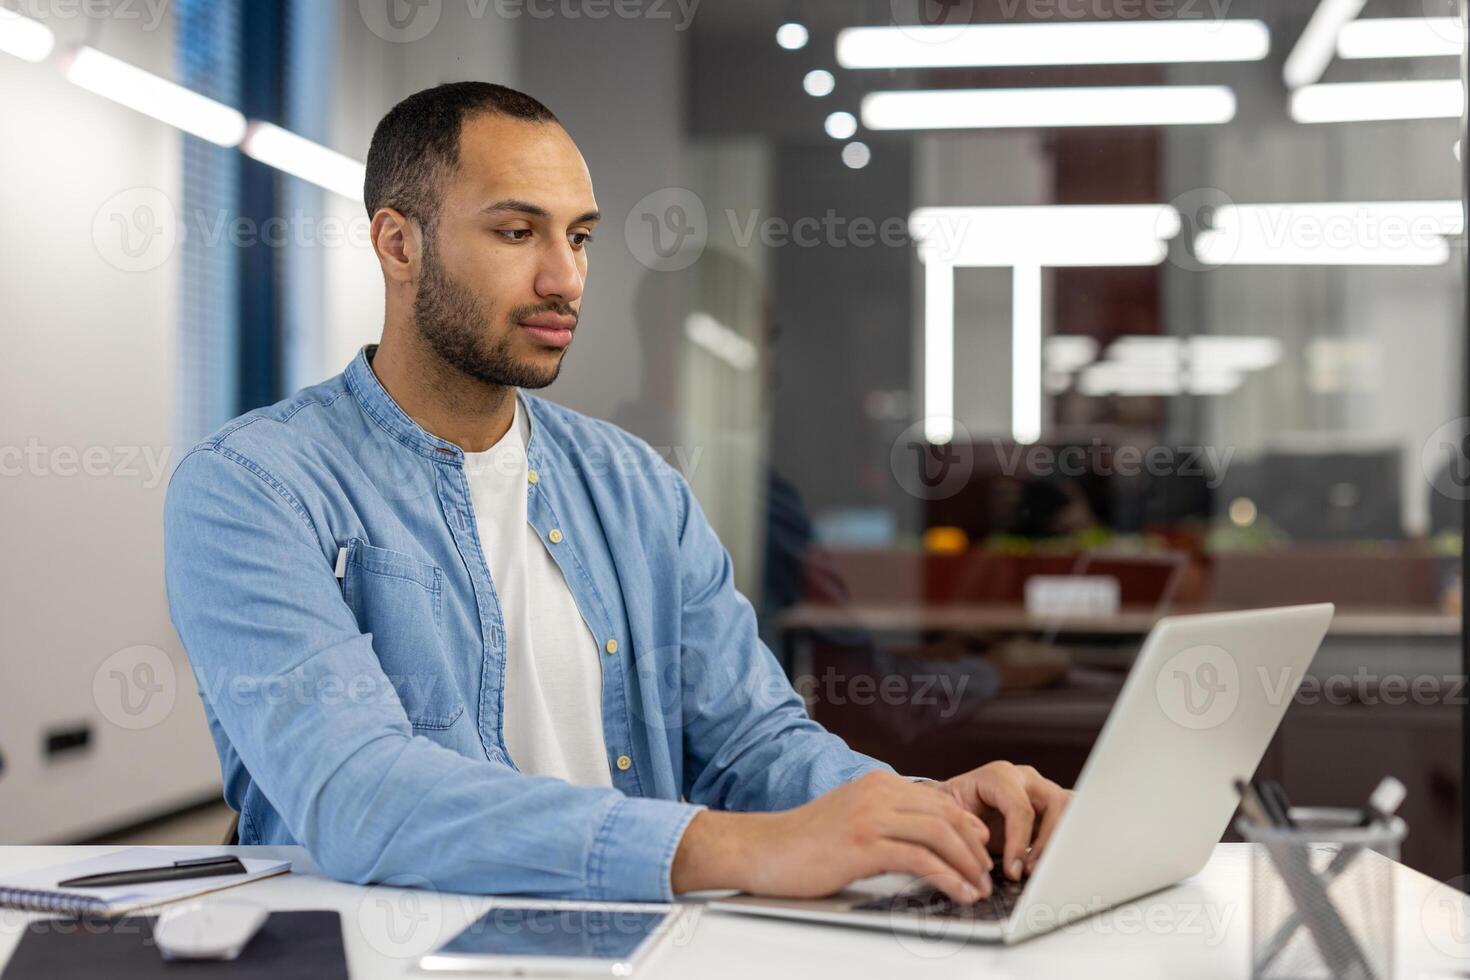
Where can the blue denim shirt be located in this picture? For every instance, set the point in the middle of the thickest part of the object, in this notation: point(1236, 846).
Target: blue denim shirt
point(326, 578)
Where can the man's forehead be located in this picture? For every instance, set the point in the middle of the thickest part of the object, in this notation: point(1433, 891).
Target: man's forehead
point(504, 158)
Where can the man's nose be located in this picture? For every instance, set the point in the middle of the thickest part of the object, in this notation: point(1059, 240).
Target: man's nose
point(559, 274)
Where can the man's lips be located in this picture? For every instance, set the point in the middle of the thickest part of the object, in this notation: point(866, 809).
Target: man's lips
point(550, 329)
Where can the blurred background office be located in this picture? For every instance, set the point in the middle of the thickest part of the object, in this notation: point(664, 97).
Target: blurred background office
point(986, 333)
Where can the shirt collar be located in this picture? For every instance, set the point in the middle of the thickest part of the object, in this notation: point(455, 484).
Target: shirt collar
point(376, 401)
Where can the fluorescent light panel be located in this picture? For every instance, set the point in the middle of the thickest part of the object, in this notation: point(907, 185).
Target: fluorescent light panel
point(705, 331)
point(938, 352)
point(1040, 108)
point(1366, 101)
point(27, 39)
point(1313, 50)
point(1099, 43)
point(296, 155)
point(1045, 235)
point(153, 96)
point(1112, 378)
point(1402, 37)
point(1026, 354)
point(1068, 352)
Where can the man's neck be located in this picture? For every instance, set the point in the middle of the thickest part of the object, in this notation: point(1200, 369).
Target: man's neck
point(443, 401)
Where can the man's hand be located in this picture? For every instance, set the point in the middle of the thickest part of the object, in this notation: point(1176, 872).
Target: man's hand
point(944, 833)
point(875, 824)
point(1020, 808)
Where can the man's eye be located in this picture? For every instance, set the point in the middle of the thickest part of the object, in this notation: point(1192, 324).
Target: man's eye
point(514, 233)
point(580, 238)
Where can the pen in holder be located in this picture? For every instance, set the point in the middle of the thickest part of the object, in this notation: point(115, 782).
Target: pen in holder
point(1321, 904)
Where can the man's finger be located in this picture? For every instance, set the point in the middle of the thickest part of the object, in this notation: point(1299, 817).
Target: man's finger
point(941, 837)
point(919, 861)
point(1050, 804)
point(1019, 820)
point(971, 827)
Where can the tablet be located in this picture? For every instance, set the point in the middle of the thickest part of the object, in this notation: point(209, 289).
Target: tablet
point(572, 939)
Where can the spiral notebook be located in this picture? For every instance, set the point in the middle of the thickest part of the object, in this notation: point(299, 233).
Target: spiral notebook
point(37, 891)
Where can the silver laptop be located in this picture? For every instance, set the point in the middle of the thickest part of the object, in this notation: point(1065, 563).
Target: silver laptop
point(1198, 709)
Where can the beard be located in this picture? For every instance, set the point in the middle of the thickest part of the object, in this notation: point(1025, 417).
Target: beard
point(453, 322)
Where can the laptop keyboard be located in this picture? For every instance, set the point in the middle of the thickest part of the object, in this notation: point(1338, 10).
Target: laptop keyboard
point(927, 900)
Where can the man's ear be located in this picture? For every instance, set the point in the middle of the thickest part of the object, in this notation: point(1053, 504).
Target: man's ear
point(398, 242)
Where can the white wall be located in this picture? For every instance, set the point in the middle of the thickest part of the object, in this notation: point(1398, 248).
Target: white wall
point(89, 364)
point(91, 360)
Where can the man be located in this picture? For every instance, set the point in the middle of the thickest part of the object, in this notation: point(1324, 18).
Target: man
point(447, 629)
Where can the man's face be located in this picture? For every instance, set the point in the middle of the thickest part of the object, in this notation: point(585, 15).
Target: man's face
point(502, 275)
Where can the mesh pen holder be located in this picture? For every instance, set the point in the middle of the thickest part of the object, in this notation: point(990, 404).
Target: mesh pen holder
point(1321, 906)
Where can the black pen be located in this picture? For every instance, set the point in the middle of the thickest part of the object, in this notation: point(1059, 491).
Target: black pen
point(192, 868)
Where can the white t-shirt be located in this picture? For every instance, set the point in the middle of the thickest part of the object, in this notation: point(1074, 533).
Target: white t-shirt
point(553, 671)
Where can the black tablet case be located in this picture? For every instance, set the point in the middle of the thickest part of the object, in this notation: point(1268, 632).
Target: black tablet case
point(291, 945)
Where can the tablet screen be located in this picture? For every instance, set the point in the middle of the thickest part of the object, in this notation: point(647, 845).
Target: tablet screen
point(567, 933)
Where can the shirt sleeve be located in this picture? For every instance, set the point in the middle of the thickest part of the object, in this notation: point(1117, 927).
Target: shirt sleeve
point(261, 614)
point(749, 743)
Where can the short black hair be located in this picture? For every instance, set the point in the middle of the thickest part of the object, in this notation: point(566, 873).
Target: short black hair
point(416, 145)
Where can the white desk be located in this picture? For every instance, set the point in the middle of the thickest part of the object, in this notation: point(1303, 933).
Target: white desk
point(1199, 929)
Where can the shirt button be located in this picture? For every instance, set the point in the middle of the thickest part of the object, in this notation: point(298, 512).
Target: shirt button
point(624, 763)
point(533, 476)
point(555, 535)
point(612, 646)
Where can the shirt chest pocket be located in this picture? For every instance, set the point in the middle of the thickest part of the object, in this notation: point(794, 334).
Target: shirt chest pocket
point(398, 599)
